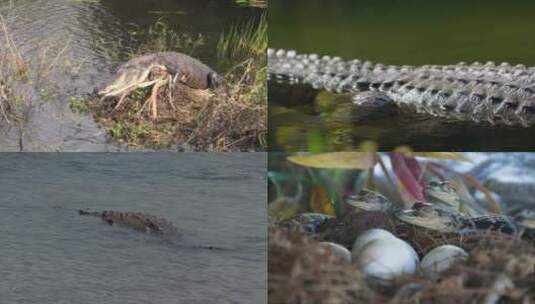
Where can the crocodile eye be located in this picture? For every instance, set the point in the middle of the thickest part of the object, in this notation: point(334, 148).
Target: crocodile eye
point(418, 205)
point(433, 184)
point(446, 186)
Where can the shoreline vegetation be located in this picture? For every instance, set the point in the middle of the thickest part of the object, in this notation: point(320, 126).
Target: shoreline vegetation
point(230, 118)
point(26, 83)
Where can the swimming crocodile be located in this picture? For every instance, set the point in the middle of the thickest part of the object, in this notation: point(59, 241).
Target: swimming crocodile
point(140, 222)
point(136, 220)
point(496, 94)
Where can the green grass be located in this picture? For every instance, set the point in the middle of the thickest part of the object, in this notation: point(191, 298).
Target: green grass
point(79, 104)
point(243, 42)
point(252, 3)
point(232, 118)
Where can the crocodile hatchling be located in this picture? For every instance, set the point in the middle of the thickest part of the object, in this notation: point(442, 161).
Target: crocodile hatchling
point(497, 94)
point(435, 214)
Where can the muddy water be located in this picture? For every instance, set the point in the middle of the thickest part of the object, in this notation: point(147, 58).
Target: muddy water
point(51, 255)
point(79, 30)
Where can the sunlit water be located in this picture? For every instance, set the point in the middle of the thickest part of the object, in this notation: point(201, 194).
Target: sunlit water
point(412, 32)
point(85, 33)
point(52, 255)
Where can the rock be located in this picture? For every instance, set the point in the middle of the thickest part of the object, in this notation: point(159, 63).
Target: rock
point(440, 259)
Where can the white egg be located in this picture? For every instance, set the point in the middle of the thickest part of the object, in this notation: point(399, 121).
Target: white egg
point(368, 236)
point(440, 259)
point(380, 254)
point(337, 250)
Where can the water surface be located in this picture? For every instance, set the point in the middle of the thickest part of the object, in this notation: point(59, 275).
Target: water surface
point(52, 255)
point(414, 32)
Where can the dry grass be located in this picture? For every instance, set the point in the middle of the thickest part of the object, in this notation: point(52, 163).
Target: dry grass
point(500, 268)
point(15, 83)
point(230, 118)
point(26, 80)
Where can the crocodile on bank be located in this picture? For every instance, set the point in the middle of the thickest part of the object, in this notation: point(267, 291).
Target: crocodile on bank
point(157, 70)
point(497, 94)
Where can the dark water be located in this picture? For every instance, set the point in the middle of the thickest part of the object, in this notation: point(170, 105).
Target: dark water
point(93, 38)
point(412, 32)
point(52, 255)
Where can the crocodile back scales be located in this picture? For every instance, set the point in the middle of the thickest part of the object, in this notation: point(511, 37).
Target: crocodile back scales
point(497, 94)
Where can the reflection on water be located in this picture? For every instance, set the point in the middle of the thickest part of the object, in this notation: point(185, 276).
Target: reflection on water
point(412, 32)
point(51, 255)
point(79, 30)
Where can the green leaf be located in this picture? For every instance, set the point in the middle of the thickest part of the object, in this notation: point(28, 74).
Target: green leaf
point(336, 160)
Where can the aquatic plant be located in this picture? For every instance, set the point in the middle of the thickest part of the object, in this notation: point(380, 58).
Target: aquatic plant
point(252, 3)
point(327, 177)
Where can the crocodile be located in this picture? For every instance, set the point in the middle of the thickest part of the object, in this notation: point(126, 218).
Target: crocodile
point(434, 217)
point(135, 220)
point(495, 94)
point(141, 222)
point(157, 70)
point(441, 212)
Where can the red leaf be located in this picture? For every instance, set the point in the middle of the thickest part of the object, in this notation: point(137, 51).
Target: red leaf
point(409, 173)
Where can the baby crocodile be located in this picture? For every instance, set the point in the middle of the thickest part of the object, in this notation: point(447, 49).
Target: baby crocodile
point(497, 94)
point(433, 217)
point(441, 213)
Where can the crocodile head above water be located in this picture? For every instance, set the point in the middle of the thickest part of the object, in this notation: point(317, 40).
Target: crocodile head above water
point(135, 220)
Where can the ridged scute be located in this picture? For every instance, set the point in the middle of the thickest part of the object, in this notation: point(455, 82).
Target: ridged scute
point(135, 220)
point(491, 93)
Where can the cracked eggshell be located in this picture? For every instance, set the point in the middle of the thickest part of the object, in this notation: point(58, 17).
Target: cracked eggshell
point(379, 254)
point(440, 259)
point(337, 250)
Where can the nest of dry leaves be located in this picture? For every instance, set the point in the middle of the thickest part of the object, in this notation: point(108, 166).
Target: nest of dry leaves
point(174, 115)
point(500, 267)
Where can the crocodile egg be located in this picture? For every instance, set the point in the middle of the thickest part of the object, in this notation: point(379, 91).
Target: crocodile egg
point(370, 235)
point(337, 250)
point(440, 259)
point(379, 254)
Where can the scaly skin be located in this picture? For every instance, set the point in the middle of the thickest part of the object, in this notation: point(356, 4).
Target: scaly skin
point(433, 217)
point(135, 220)
point(442, 212)
point(497, 94)
point(367, 200)
point(190, 71)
